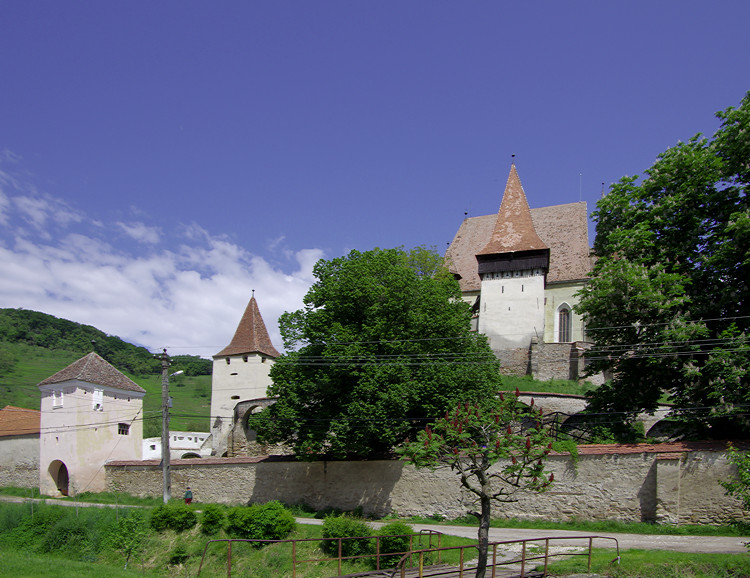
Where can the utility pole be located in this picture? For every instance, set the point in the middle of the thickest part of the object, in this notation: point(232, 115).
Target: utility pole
point(165, 425)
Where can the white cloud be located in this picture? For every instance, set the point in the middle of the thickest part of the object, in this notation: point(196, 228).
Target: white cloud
point(141, 233)
point(158, 300)
point(187, 298)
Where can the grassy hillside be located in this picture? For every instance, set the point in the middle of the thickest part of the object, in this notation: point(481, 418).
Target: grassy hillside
point(35, 345)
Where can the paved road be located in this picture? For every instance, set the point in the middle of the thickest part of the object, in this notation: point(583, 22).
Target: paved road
point(703, 544)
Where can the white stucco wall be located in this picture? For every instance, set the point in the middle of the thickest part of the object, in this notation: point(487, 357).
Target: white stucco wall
point(84, 438)
point(180, 443)
point(244, 377)
point(512, 309)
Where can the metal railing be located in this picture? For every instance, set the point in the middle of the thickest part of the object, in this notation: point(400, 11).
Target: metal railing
point(377, 555)
point(525, 557)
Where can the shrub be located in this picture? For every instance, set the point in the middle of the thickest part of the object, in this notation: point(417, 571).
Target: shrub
point(178, 555)
point(177, 517)
point(393, 542)
point(212, 519)
point(271, 521)
point(346, 527)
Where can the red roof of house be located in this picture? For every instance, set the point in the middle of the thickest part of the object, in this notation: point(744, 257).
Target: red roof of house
point(95, 370)
point(514, 229)
point(17, 421)
point(251, 335)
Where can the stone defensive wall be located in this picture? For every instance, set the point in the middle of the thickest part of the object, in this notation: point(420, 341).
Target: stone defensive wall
point(675, 483)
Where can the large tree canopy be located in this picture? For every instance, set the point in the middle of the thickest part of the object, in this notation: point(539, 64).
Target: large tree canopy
point(668, 303)
point(382, 343)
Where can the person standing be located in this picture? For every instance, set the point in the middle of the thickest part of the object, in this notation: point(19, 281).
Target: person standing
point(188, 495)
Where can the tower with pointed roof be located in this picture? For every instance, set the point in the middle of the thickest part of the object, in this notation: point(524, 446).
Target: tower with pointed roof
point(520, 269)
point(90, 414)
point(240, 372)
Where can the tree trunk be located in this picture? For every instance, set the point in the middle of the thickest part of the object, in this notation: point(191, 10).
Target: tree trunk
point(483, 534)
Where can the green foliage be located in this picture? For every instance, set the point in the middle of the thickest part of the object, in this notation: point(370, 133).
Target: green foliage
point(739, 486)
point(178, 555)
point(212, 519)
point(270, 521)
point(668, 303)
point(346, 527)
point(394, 540)
point(173, 516)
point(191, 364)
point(383, 342)
point(129, 535)
point(40, 329)
point(474, 437)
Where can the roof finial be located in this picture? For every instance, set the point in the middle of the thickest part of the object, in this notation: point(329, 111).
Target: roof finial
point(513, 159)
point(253, 295)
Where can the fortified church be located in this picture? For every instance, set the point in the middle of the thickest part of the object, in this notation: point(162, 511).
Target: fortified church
point(519, 270)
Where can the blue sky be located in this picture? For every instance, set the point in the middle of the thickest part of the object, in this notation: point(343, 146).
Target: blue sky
point(159, 160)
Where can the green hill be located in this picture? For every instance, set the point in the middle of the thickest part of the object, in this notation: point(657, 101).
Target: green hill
point(35, 345)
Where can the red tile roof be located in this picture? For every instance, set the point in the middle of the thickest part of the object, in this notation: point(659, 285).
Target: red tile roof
point(95, 370)
point(562, 228)
point(251, 335)
point(514, 229)
point(17, 421)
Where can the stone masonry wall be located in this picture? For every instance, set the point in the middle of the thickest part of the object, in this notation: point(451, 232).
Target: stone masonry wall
point(638, 483)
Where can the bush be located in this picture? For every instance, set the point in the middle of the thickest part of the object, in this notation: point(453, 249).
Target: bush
point(177, 517)
point(393, 542)
point(271, 521)
point(212, 519)
point(346, 527)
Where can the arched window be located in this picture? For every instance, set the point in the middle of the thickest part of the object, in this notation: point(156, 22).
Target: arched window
point(563, 325)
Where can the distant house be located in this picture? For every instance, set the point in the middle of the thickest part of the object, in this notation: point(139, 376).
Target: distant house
point(520, 270)
point(182, 445)
point(239, 382)
point(19, 447)
point(90, 414)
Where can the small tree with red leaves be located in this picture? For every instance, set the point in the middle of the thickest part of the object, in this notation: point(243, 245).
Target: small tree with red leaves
point(496, 447)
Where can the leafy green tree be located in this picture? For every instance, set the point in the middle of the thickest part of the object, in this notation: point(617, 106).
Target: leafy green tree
point(380, 346)
point(470, 440)
point(668, 303)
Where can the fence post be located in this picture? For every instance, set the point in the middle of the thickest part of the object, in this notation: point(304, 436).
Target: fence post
point(340, 556)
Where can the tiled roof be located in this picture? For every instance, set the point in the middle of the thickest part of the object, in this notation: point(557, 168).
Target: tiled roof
point(251, 335)
point(514, 229)
point(95, 370)
point(667, 449)
point(562, 228)
point(17, 421)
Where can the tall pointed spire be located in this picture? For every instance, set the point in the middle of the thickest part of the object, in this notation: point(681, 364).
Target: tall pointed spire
point(251, 335)
point(514, 229)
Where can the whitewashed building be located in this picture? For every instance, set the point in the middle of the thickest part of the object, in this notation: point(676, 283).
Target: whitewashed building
point(90, 414)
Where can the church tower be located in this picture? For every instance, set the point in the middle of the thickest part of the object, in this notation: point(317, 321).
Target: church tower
point(512, 268)
point(240, 370)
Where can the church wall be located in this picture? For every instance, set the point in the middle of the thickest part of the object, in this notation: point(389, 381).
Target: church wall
point(556, 295)
point(512, 310)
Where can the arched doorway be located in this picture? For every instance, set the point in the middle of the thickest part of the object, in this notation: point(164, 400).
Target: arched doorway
point(59, 473)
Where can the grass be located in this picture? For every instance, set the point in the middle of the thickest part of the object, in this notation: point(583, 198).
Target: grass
point(527, 383)
point(191, 394)
point(595, 527)
point(657, 564)
point(27, 565)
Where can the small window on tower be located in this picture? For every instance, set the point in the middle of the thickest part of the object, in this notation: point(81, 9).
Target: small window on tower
point(123, 429)
point(244, 358)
